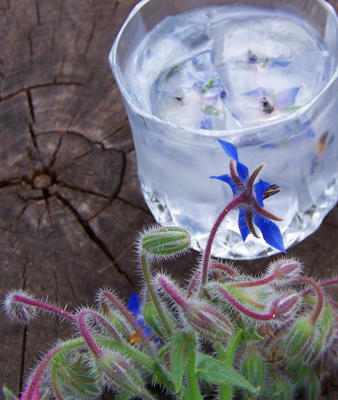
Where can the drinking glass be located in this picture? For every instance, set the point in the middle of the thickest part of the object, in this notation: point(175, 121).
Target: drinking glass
point(174, 162)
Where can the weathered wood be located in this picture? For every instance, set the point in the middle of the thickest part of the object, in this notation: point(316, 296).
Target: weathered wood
point(70, 203)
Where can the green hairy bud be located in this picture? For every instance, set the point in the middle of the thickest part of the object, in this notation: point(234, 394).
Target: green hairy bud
point(164, 242)
point(120, 373)
point(299, 338)
point(253, 368)
point(282, 390)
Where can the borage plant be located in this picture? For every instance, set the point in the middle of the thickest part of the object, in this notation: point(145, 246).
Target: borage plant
point(223, 335)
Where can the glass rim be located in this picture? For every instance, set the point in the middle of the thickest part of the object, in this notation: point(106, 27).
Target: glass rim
point(239, 132)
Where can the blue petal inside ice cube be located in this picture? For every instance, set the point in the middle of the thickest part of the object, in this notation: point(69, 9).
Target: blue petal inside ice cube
point(190, 94)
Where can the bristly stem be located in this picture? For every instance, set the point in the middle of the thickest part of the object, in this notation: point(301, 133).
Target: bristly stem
point(320, 297)
point(206, 256)
point(110, 296)
point(45, 306)
point(193, 386)
point(170, 290)
point(213, 265)
point(157, 304)
point(82, 321)
point(43, 364)
point(261, 317)
point(227, 356)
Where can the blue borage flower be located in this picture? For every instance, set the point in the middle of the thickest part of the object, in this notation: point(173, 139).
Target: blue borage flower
point(135, 306)
point(268, 101)
point(251, 209)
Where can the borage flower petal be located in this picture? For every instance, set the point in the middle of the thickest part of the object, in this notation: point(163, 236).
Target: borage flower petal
point(251, 206)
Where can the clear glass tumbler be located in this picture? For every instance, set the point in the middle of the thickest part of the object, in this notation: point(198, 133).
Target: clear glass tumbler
point(174, 163)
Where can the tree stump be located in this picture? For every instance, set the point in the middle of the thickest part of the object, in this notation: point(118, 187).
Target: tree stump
point(70, 204)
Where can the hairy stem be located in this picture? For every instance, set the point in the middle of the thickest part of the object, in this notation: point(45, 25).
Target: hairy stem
point(157, 304)
point(45, 361)
point(206, 256)
point(193, 386)
point(123, 309)
point(227, 356)
point(82, 321)
point(320, 297)
point(45, 306)
point(261, 317)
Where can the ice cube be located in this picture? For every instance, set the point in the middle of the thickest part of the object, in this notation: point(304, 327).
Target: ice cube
point(273, 55)
point(171, 40)
point(190, 94)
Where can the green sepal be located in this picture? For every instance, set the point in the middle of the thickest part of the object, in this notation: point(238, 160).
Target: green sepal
point(182, 345)
point(214, 371)
point(8, 394)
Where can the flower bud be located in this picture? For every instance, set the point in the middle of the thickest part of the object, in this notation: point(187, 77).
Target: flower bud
point(285, 270)
point(208, 321)
point(120, 373)
point(16, 309)
point(299, 338)
point(283, 390)
point(253, 369)
point(286, 306)
point(324, 335)
point(164, 242)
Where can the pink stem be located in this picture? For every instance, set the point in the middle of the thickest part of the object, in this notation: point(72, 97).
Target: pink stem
point(36, 378)
point(262, 317)
point(206, 256)
point(224, 267)
point(320, 297)
point(128, 316)
point(82, 320)
point(172, 292)
point(213, 265)
point(258, 282)
point(45, 306)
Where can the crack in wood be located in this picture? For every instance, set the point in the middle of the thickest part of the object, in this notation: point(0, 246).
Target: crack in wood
point(30, 45)
point(90, 38)
point(94, 237)
point(30, 104)
point(117, 190)
point(55, 152)
point(33, 139)
point(41, 85)
point(37, 11)
point(81, 190)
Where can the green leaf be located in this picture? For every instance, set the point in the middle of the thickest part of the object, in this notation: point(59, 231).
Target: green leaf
point(8, 394)
point(214, 371)
point(152, 319)
point(208, 85)
point(75, 376)
point(182, 345)
point(292, 108)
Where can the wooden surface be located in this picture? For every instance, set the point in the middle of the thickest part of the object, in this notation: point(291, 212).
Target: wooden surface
point(70, 204)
